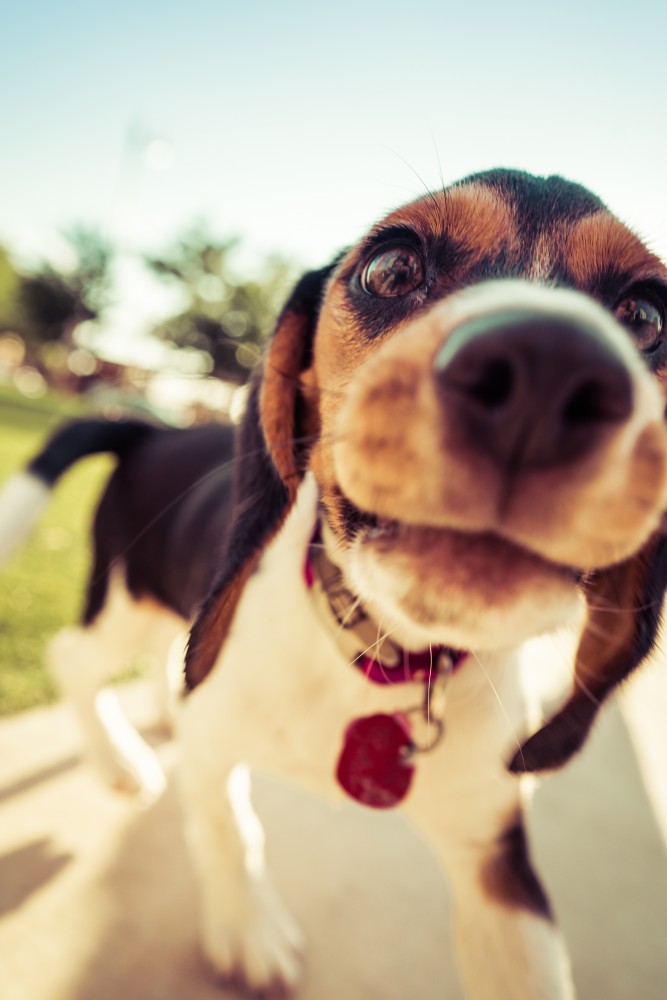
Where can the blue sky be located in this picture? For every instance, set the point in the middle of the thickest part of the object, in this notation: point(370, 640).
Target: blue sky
point(296, 125)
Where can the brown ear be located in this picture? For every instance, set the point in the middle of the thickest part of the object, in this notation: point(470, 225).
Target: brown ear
point(270, 461)
point(624, 604)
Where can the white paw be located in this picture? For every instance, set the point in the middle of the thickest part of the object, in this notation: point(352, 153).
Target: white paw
point(262, 951)
point(119, 754)
point(140, 775)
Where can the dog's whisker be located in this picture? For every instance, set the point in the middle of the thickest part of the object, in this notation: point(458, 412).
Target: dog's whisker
point(428, 193)
point(579, 682)
point(442, 202)
point(381, 636)
point(428, 691)
point(609, 608)
point(349, 614)
point(504, 711)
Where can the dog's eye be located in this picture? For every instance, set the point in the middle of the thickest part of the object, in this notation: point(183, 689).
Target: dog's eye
point(393, 272)
point(644, 317)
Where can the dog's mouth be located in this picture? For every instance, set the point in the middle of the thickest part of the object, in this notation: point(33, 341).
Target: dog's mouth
point(390, 534)
point(462, 588)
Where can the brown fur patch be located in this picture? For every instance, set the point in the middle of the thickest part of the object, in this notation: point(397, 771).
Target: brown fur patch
point(474, 216)
point(599, 243)
point(508, 875)
point(212, 627)
point(278, 397)
point(612, 596)
point(481, 221)
point(609, 649)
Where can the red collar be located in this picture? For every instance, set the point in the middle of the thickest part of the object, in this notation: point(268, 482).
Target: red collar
point(346, 615)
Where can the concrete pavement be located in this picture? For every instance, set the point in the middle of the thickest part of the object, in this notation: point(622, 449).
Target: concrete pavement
point(97, 901)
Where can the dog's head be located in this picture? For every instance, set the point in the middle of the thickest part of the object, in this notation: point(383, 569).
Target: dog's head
point(476, 387)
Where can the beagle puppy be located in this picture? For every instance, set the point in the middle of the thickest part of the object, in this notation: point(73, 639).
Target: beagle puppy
point(459, 431)
point(456, 443)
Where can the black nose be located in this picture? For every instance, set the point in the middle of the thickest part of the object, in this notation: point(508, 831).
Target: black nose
point(531, 389)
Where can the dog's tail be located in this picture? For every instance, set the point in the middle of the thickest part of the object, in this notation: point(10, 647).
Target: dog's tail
point(25, 494)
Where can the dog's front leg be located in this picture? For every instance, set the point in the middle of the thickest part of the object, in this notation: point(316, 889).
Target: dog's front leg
point(471, 810)
point(247, 934)
point(507, 944)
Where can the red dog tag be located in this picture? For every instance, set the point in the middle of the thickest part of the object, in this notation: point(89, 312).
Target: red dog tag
point(373, 767)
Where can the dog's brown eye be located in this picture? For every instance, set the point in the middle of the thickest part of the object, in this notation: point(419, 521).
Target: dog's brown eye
point(393, 272)
point(644, 318)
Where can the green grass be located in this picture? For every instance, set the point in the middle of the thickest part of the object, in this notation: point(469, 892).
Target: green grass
point(41, 587)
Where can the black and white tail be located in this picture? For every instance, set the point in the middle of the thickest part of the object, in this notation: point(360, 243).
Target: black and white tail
point(25, 494)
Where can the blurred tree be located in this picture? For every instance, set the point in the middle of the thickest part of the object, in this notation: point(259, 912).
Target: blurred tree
point(226, 318)
point(51, 303)
point(9, 290)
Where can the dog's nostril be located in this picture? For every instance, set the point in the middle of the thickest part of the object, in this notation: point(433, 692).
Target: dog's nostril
point(494, 385)
point(595, 401)
point(590, 402)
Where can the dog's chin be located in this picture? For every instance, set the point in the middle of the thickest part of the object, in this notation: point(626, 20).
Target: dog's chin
point(469, 591)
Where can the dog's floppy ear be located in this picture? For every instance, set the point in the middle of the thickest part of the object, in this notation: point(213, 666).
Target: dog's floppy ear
point(624, 605)
point(270, 461)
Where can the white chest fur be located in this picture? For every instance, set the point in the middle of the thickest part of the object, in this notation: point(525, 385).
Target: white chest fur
point(282, 693)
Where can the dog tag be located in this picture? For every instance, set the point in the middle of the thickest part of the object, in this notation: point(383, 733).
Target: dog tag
point(374, 766)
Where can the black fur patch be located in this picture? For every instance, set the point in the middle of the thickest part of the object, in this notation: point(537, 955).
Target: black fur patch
point(162, 518)
point(259, 496)
point(539, 202)
point(80, 438)
point(260, 500)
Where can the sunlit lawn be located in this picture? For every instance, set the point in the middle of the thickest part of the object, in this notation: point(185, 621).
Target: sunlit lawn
point(41, 586)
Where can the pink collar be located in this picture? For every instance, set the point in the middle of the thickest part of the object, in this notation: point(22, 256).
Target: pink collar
point(416, 666)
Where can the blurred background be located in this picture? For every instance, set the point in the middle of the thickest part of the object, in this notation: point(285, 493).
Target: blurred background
point(168, 169)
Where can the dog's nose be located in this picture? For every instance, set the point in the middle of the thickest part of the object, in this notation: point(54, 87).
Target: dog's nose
point(531, 389)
